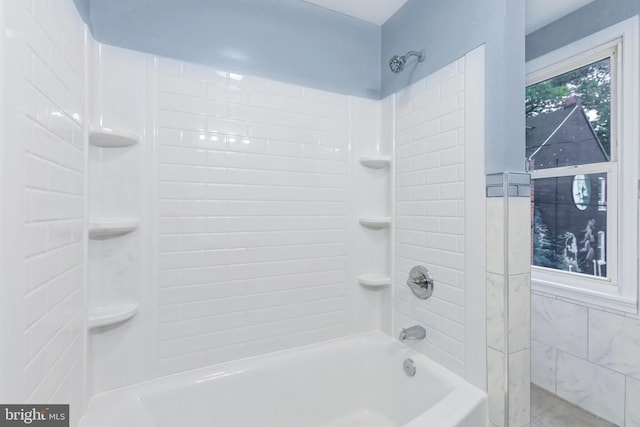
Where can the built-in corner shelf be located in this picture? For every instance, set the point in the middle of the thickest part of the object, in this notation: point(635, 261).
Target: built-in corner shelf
point(375, 223)
point(375, 162)
point(111, 227)
point(374, 280)
point(110, 138)
point(111, 314)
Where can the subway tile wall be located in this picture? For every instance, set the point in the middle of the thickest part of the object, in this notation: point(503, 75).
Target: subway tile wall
point(44, 80)
point(253, 205)
point(430, 209)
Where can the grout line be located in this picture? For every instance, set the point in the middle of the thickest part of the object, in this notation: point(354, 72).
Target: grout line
point(624, 407)
point(261, 263)
point(253, 185)
point(588, 323)
point(505, 296)
point(48, 65)
point(251, 325)
point(255, 294)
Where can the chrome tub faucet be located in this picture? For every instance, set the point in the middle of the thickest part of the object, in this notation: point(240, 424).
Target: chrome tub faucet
point(416, 332)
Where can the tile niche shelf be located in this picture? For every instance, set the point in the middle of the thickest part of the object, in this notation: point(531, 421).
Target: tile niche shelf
point(103, 228)
point(376, 223)
point(111, 314)
point(368, 280)
point(374, 280)
point(375, 162)
point(110, 138)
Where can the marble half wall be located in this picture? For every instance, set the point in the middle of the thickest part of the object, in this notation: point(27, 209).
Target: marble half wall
point(508, 299)
point(587, 356)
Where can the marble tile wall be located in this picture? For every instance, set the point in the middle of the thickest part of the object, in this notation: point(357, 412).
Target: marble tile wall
point(519, 315)
point(508, 307)
point(495, 387)
point(588, 357)
point(632, 403)
point(560, 325)
point(597, 389)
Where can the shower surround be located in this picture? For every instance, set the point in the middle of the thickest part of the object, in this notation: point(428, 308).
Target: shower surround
point(248, 218)
point(253, 204)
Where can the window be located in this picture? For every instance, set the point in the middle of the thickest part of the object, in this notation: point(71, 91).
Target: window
point(581, 146)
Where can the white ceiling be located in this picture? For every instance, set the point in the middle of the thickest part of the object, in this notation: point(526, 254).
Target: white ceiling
point(374, 11)
point(543, 12)
point(539, 12)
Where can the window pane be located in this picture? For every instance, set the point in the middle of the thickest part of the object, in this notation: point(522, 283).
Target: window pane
point(569, 118)
point(570, 223)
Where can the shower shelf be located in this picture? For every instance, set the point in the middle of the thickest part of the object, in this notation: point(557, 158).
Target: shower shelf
point(110, 138)
point(374, 280)
point(375, 223)
point(375, 162)
point(111, 314)
point(112, 227)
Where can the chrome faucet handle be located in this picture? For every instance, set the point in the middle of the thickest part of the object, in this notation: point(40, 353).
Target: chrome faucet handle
point(420, 282)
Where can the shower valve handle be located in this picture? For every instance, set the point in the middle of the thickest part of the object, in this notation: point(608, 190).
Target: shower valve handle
point(420, 282)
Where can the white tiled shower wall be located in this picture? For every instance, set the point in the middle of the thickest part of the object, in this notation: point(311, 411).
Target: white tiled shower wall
point(44, 61)
point(430, 210)
point(253, 205)
point(588, 357)
point(251, 209)
point(255, 209)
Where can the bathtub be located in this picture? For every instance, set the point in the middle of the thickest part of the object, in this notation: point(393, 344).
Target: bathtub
point(356, 381)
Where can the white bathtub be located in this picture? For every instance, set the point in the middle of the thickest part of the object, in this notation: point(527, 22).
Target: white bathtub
point(356, 381)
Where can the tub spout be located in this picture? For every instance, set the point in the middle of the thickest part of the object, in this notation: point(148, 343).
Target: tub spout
point(416, 332)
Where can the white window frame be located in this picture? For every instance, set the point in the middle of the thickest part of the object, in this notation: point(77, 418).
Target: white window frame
point(620, 290)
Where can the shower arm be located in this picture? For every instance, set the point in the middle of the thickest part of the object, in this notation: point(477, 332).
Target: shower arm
point(420, 55)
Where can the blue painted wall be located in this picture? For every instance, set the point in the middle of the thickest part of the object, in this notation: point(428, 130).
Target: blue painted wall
point(590, 19)
point(296, 42)
point(286, 40)
point(449, 29)
point(446, 30)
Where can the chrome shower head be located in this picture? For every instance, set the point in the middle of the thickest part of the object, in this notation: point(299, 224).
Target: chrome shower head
point(396, 63)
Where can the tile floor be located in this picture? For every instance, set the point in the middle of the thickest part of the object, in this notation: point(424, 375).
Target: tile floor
point(548, 410)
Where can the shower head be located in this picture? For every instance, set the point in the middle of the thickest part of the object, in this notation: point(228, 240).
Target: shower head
point(396, 63)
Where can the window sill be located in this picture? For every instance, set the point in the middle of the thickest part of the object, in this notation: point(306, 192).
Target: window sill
point(606, 298)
